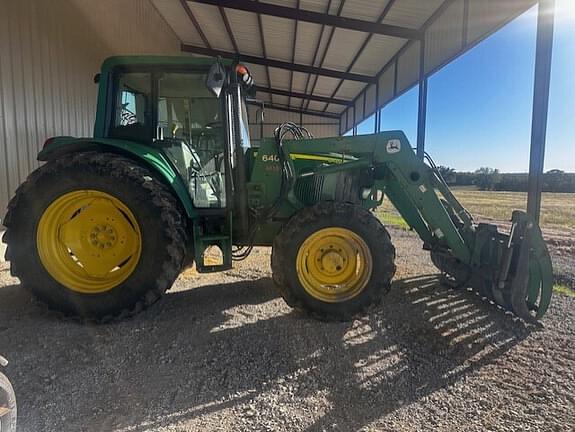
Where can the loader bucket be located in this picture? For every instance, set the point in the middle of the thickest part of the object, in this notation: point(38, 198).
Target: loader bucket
point(523, 283)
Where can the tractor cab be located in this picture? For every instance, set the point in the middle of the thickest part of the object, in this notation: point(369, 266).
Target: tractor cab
point(193, 110)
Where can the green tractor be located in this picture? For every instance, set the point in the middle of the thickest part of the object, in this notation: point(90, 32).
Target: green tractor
point(105, 226)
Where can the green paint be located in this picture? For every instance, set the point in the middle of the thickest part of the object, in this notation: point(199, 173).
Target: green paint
point(150, 156)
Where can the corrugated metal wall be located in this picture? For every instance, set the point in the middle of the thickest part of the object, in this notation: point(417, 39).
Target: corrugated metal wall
point(317, 125)
point(49, 53)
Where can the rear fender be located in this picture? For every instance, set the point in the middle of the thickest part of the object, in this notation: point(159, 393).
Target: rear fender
point(149, 156)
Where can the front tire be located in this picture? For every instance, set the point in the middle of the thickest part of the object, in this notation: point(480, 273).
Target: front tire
point(95, 235)
point(334, 260)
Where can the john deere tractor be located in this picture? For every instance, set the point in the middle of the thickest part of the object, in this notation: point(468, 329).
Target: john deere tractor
point(105, 226)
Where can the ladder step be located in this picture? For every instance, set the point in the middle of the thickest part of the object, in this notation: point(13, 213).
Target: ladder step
point(213, 268)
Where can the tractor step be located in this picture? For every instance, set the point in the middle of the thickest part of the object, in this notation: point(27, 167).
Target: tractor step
point(208, 263)
point(211, 238)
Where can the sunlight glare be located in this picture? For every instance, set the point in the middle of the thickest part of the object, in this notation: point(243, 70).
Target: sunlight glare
point(565, 10)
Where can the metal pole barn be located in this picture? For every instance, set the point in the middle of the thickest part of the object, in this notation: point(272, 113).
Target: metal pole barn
point(422, 105)
point(543, 55)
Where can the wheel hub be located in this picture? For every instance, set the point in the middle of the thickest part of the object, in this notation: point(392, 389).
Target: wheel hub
point(334, 264)
point(89, 241)
point(103, 236)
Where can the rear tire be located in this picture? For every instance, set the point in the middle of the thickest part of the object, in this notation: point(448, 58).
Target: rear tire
point(148, 207)
point(7, 401)
point(343, 224)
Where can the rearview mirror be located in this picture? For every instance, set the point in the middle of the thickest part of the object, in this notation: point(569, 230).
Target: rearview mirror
point(216, 78)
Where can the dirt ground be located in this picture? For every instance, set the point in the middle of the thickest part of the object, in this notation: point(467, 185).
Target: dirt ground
point(223, 352)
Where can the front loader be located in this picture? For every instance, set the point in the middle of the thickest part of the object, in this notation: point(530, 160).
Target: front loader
point(105, 226)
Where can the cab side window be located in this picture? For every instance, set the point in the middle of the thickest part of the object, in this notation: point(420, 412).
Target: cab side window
point(133, 107)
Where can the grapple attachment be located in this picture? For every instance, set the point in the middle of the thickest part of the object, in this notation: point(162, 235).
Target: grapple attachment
point(524, 284)
point(513, 270)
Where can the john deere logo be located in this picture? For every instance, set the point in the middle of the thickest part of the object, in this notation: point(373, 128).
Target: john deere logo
point(393, 146)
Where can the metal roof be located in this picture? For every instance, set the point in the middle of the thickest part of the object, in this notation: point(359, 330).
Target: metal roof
point(336, 57)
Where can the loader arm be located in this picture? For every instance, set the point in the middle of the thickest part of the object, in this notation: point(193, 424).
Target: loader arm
point(410, 185)
point(513, 270)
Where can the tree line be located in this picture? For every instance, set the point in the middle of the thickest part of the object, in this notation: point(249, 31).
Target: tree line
point(486, 178)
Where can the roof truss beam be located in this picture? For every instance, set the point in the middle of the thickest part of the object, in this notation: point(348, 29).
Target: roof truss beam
point(296, 110)
point(294, 94)
point(316, 18)
point(278, 64)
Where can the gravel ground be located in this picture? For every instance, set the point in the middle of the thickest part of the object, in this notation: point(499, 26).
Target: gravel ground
point(223, 352)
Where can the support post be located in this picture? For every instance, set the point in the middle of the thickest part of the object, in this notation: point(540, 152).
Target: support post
point(422, 104)
point(543, 55)
point(376, 114)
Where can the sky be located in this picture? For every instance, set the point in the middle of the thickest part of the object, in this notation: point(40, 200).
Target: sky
point(479, 106)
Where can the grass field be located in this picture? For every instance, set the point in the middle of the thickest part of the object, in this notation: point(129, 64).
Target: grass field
point(557, 209)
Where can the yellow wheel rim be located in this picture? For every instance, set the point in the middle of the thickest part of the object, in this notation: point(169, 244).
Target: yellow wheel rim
point(334, 264)
point(88, 241)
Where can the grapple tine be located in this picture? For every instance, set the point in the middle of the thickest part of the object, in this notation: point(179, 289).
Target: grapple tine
point(540, 255)
point(534, 286)
point(520, 280)
point(530, 278)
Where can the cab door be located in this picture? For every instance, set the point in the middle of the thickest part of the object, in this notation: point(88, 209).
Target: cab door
point(192, 131)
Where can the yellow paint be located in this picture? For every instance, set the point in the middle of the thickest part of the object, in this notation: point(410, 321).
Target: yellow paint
point(88, 241)
point(315, 157)
point(334, 264)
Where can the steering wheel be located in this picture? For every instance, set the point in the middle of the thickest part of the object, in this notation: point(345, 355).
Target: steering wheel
point(212, 124)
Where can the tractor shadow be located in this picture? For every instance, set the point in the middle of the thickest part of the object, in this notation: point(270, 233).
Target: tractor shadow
point(225, 351)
